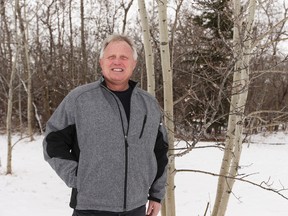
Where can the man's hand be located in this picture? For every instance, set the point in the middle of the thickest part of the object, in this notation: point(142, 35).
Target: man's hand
point(153, 208)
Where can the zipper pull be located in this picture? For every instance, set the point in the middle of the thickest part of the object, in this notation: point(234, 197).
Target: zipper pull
point(126, 141)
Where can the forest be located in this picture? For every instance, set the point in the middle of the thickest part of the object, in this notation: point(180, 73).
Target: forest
point(56, 45)
point(47, 48)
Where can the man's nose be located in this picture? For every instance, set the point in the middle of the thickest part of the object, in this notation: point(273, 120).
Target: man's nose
point(116, 61)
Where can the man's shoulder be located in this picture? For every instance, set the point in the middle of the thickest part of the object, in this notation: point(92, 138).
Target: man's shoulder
point(147, 96)
point(80, 90)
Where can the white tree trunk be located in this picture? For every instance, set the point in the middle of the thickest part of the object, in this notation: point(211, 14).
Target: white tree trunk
point(149, 57)
point(233, 142)
point(28, 69)
point(20, 110)
point(37, 116)
point(169, 205)
point(83, 44)
point(10, 100)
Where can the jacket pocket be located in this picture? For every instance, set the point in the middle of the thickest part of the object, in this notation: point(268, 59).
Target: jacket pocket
point(143, 126)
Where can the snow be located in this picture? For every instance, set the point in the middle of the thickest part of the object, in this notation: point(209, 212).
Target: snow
point(34, 188)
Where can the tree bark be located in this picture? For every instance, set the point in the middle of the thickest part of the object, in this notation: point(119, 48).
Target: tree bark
point(233, 143)
point(10, 95)
point(83, 44)
point(26, 62)
point(149, 57)
point(71, 64)
point(20, 110)
point(169, 204)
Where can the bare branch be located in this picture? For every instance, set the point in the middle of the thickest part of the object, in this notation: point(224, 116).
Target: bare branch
point(266, 185)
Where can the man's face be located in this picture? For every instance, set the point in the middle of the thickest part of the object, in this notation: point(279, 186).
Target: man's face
point(117, 65)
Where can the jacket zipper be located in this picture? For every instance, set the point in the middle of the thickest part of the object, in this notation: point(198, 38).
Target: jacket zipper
point(126, 172)
point(126, 149)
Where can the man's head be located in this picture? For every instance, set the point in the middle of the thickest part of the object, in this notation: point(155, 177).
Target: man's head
point(118, 58)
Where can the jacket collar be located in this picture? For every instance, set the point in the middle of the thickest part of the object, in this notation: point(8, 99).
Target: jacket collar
point(132, 83)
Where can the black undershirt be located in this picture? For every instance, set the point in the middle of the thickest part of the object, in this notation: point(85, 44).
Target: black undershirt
point(125, 98)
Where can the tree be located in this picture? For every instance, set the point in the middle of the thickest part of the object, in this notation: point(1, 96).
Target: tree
point(201, 66)
point(83, 44)
point(11, 90)
point(149, 57)
point(169, 206)
point(245, 42)
point(242, 49)
point(126, 10)
point(26, 63)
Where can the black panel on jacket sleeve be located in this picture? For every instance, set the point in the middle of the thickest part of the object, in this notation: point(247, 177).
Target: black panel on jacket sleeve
point(73, 198)
point(160, 150)
point(63, 144)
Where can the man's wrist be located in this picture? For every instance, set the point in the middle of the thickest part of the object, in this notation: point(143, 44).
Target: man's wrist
point(154, 199)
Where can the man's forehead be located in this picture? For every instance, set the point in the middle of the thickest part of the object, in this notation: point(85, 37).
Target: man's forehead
point(118, 46)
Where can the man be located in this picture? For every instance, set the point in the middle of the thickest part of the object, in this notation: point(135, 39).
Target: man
point(107, 142)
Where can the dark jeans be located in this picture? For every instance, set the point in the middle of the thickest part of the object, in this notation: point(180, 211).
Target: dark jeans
point(141, 211)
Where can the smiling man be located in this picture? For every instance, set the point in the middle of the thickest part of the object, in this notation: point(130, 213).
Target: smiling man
point(107, 142)
point(118, 59)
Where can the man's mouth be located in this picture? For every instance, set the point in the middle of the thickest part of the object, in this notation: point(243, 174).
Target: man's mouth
point(117, 70)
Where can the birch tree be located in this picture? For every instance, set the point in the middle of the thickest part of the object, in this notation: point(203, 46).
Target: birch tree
point(26, 62)
point(10, 94)
point(83, 44)
point(169, 205)
point(242, 49)
point(149, 57)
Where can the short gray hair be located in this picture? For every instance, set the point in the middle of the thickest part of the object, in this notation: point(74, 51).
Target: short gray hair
point(118, 37)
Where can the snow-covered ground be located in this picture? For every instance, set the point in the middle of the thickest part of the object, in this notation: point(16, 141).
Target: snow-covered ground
point(35, 190)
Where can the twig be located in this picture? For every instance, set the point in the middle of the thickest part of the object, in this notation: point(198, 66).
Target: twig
point(261, 185)
point(206, 210)
point(19, 140)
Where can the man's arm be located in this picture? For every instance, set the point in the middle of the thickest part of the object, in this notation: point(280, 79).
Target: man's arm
point(157, 189)
point(60, 144)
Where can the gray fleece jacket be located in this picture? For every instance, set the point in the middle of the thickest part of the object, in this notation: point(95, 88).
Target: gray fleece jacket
point(110, 164)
